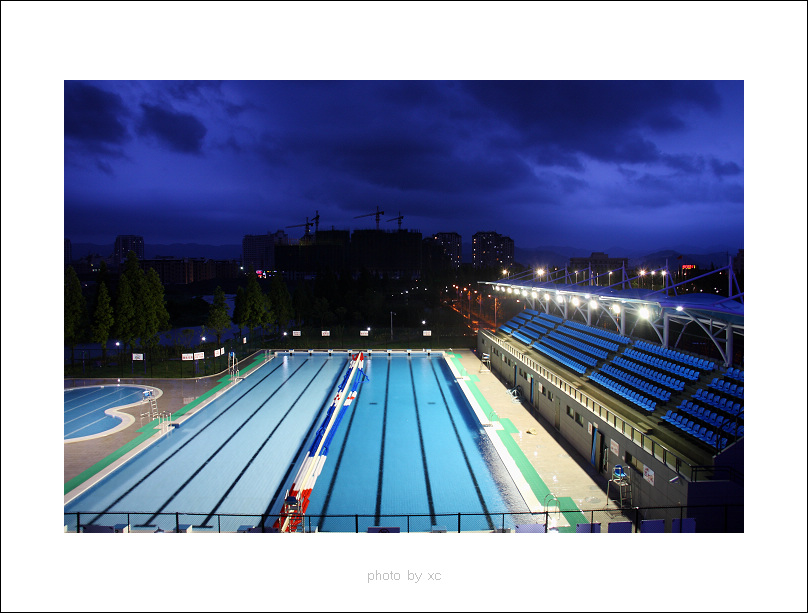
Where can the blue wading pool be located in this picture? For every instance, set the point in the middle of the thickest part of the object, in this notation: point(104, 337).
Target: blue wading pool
point(409, 445)
point(85, 408)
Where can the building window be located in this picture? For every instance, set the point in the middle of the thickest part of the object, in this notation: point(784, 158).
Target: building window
point(579, 419)
point(570, 412)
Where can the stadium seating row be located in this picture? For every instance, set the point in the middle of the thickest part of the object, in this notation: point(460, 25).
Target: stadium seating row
point(735, 373)
point(621, 390)
point(552, 318)
point(579, 368)
point(700, 432)
point(650, 373)
point(680, 371)
point(726, 387)
point(638, 383)
point(537, 327)
point(521, 337)
point(506, 329)
point(585, 347)
point(707, 416)
point(623, 340)
point(600, 342)
point(678, 356)
point(572, 353)
point(719, 402)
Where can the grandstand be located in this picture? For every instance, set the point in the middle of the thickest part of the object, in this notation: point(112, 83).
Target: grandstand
point(604, 366)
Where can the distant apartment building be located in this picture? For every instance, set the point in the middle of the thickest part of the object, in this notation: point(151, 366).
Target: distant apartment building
point(181, 271)
point(598, 263)
point(124, 243)
point(491, 249)
point(451, 244)
point(258, 250)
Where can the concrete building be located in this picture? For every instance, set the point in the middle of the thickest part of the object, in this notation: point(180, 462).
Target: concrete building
point(124, 243)
point(451, 244)
point(491, 249)
point(598, 263)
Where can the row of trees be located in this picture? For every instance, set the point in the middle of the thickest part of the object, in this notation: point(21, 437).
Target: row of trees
point(136, 315)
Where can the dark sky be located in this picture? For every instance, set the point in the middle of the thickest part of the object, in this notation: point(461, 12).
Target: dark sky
point(629, 165)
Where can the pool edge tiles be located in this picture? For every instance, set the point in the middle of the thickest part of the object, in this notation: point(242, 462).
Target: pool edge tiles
point(525, 490)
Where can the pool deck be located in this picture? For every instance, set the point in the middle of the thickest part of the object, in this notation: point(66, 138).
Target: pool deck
point(565, 473)
point(557, 469)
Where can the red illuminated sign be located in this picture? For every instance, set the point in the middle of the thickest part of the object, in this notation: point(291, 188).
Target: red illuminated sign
point(688, 266)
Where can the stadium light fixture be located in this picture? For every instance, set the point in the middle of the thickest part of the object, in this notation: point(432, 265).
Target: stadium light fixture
point(616, 309)
point(593, 304)
point(575, 301)
point(644, 313)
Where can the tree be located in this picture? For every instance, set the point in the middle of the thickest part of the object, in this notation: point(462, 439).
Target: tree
point(155, 313)
point(103, 320)
point(75, 311)
point(125, 313)
point(281, 301)
point(218, 319)
point(302, 302)
point(258, 308)
point(240, 310)
point(134, 275)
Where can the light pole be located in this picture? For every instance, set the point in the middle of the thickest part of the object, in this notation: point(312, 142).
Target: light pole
point(610, 277)
point(120, 356)
point(576, 277)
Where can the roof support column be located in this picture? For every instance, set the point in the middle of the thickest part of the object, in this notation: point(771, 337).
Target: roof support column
point(730, 351)
point(665, 330)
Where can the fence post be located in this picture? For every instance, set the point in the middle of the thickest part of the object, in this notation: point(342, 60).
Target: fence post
point(458, 523)
point(356, 517)
point(178, 522)
point(408, 524)
point(503, 522)
point(78, 523)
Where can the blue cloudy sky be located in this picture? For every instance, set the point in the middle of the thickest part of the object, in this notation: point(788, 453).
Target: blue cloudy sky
point(633, 164)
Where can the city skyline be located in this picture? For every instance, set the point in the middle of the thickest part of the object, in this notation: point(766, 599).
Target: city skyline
point(600, 165)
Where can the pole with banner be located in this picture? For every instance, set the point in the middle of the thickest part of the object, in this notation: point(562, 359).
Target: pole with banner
point(138, 356)
point(186, 357)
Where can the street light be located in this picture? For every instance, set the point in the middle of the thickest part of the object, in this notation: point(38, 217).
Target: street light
point(120, 355)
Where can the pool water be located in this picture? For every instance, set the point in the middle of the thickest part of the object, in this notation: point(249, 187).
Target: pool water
point(410, 444)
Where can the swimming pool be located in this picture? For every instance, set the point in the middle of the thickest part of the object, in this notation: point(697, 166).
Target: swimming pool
point(410, 444)
point(85, 408)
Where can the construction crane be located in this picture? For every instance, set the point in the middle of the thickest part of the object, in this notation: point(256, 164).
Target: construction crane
point(316, 220)
point(308, 225)
point(398, 219)
point(378, 214)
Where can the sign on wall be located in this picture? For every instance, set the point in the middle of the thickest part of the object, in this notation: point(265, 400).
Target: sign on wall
point(295, 332)
point(187, 357)
point(137, 356)
point(615, 447)
point(363, 333)
point(199, 355)
point(326, 333)
point(427, 332)
point(648, 475)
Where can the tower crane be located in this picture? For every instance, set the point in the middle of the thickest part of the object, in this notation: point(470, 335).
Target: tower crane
point(378, 214)
point(308, 225)
point(398, 219)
